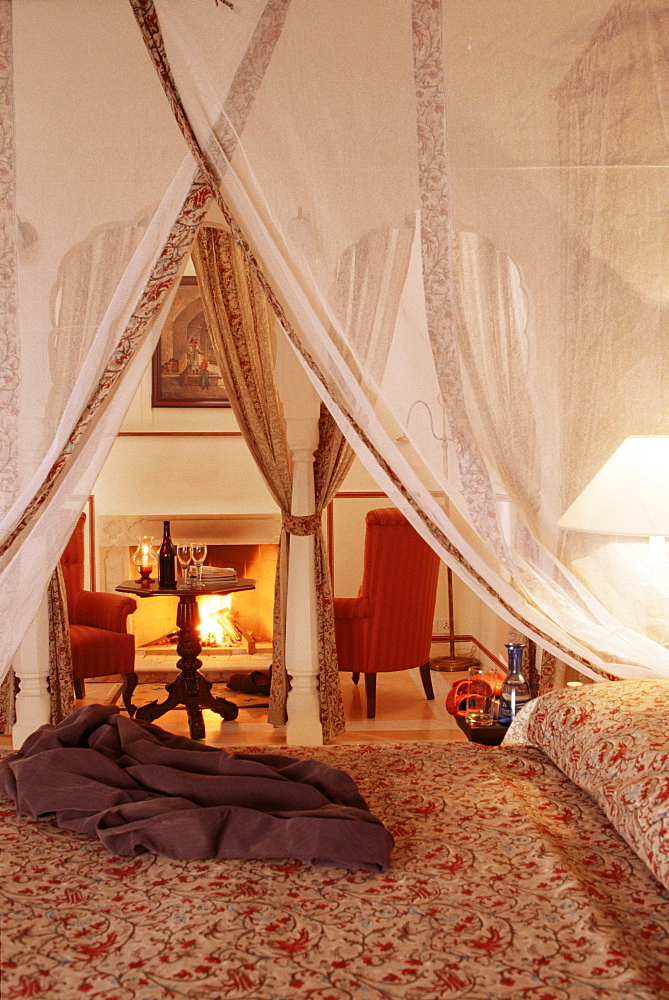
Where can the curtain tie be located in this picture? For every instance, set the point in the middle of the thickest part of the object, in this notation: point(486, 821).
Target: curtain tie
point(295, 524)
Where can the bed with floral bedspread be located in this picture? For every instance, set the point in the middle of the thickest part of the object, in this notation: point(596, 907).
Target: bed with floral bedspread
point(535, 870)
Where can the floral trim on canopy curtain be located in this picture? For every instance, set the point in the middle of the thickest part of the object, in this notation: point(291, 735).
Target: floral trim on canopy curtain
point(240, 320)
point(61, 685)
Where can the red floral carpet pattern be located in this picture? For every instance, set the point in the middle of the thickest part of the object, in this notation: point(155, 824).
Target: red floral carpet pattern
point(506, 882)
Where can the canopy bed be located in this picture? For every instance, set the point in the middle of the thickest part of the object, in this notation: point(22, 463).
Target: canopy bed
point(470, 278)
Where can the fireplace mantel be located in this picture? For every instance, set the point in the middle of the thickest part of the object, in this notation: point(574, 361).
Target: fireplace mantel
point(115, 533)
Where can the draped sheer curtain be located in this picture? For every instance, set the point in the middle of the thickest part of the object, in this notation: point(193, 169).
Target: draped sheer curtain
point(240, 322)
point(84, 236)
point(100, 201)
point(521, 140)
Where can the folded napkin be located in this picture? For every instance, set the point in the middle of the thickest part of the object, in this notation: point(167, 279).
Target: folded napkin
point(218, 573)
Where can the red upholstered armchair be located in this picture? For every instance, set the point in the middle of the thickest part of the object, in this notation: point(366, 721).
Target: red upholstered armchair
point(100, 642)
point(388, 626)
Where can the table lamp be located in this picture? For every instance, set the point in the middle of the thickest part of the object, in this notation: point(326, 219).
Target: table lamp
point(628, 496)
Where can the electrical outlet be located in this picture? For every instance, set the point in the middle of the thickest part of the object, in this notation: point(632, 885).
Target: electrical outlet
point(440, 626)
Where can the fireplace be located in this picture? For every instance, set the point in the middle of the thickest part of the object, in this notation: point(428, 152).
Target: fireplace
point(253, 609)
point(250, 612)
point(248, 543)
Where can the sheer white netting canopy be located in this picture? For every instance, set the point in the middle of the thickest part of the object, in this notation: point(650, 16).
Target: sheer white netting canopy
point(460, 210)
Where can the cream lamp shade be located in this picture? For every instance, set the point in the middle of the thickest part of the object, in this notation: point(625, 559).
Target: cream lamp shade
point(629, 495)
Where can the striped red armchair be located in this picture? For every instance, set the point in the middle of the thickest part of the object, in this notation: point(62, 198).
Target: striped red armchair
point(101, 644)
point(388, 626)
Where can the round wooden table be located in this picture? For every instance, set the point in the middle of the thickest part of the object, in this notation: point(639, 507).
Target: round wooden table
point(190, 688)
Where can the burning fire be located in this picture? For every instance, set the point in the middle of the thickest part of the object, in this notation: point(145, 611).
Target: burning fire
point(217, 625)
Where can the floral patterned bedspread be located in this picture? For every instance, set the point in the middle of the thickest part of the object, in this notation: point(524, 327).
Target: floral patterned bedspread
point(506, 881)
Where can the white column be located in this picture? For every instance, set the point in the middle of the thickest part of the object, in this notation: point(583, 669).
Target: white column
point(31, 666)
point(301, 407)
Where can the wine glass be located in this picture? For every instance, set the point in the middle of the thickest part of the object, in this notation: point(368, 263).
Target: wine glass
point(184, 557)
point(198, 551)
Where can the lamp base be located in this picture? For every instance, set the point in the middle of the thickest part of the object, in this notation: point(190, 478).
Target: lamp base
point(452, 664)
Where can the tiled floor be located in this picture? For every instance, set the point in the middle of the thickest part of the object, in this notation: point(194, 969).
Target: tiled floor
point(402, 712)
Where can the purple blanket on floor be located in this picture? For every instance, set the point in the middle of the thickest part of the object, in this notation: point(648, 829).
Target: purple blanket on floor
point(139, 788)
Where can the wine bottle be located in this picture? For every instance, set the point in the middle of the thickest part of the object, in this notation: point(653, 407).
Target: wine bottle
point(167, 573)
point(515, 689)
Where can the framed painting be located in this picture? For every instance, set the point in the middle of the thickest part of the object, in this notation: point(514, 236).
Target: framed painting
point(184, 370)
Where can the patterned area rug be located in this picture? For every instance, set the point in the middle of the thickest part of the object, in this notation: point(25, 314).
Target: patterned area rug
point(145, 693)
point(506, 882)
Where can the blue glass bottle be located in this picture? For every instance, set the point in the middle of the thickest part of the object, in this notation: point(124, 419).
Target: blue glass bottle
point(515, 689)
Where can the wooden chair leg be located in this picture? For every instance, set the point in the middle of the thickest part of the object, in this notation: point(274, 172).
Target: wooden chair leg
point(129, 685)
point(79, 688)
point(370, 691)
point(356, 677)
point(426, 677)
